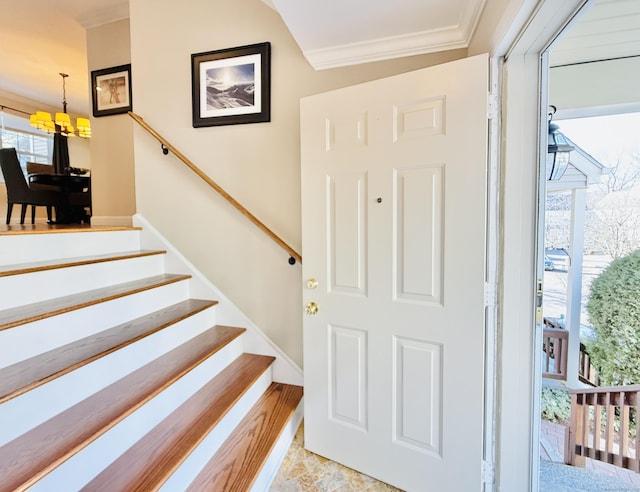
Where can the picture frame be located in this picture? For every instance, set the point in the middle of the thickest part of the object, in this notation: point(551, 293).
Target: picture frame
point(231, 86)
point(111, 90)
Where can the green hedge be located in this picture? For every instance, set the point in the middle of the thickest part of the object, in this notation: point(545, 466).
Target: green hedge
point(614, 311)
point(555, 405)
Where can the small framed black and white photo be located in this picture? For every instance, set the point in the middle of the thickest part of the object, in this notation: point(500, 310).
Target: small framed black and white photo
point(231, 86)
point(111, 90)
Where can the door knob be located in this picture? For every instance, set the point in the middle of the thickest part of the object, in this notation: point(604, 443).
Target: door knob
point(311, 308)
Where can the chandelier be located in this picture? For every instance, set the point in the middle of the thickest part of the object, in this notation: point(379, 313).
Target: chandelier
point(61, 123)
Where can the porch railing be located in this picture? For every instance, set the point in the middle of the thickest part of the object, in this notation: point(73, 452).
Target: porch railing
point(555, 349)
point(587, 373)
point(599, 426)
point(555, 352)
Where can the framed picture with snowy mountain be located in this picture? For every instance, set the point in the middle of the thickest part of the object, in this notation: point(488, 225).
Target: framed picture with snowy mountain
point(232, 86)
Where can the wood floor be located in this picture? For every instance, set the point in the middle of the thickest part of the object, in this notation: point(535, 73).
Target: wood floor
point(43, 228)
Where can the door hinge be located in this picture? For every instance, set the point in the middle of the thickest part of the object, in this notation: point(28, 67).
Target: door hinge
point(488, 472)
point(490, 294)
point(493, 106)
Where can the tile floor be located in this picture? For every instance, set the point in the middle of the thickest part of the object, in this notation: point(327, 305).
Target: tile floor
point(303, 471)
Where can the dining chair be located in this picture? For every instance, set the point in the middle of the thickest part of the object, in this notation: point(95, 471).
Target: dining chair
point(38, 168)
point(19, 192)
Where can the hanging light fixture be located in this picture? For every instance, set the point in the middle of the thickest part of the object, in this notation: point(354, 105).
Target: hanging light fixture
point(61, 122)
point(558, 150)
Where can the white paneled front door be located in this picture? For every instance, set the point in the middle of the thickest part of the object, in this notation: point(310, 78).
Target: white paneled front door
point(393, 203)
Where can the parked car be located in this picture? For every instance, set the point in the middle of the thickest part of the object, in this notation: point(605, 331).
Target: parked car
point(548, 264)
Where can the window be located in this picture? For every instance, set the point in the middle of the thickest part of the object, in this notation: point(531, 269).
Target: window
point(30, 146)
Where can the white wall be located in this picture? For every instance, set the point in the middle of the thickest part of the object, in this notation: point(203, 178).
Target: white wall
point(258, 164)
point(498, 25)
point(112, 169)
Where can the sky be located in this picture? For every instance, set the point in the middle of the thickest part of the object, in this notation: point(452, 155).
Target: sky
point(605, 137)
point(227, 76)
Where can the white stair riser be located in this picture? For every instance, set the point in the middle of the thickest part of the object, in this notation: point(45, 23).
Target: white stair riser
point(84, 466)
point(25, 341)
point(48, 284)
point(200, 456)
point(26, 411)
point(26, 248)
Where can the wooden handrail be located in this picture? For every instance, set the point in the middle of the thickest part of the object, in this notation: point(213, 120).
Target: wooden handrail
point(593, 431)
point(294, 256)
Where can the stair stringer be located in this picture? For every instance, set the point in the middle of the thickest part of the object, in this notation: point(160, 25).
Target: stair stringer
point(285, 370)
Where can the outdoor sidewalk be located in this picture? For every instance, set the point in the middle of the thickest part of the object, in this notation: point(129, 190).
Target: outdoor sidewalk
point(596, 476)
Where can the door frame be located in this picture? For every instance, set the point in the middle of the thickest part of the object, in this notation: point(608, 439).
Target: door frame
point(523, 101)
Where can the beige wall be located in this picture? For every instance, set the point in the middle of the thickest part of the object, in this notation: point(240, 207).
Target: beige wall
point(112, 168)
point(258, 164)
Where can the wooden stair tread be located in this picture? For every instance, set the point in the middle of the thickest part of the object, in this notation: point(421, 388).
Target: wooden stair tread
point(238, 462)
point(25, 229)
point(35, 453)
point(151, 461)
point(35, 371)
point(52, 307)
point(38, 266)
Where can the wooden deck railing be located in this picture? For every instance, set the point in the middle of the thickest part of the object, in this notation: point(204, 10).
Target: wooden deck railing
point(587, 372)
point(555, 349)
point(599, 426)
point(166, 147)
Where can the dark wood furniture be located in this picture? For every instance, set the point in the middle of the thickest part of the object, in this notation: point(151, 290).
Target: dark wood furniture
point(18, 190)
point(76, 206)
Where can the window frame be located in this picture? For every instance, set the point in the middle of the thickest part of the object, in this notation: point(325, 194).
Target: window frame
point(30, 155)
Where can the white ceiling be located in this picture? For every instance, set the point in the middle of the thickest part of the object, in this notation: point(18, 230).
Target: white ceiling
point(333, 33)
point(41, 38)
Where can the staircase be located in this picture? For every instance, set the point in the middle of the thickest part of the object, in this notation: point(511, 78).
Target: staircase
point(113, 378)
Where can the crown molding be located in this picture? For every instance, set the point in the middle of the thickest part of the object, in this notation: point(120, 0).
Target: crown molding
point(113, 13)
point(387, 48)
point(471, 18)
